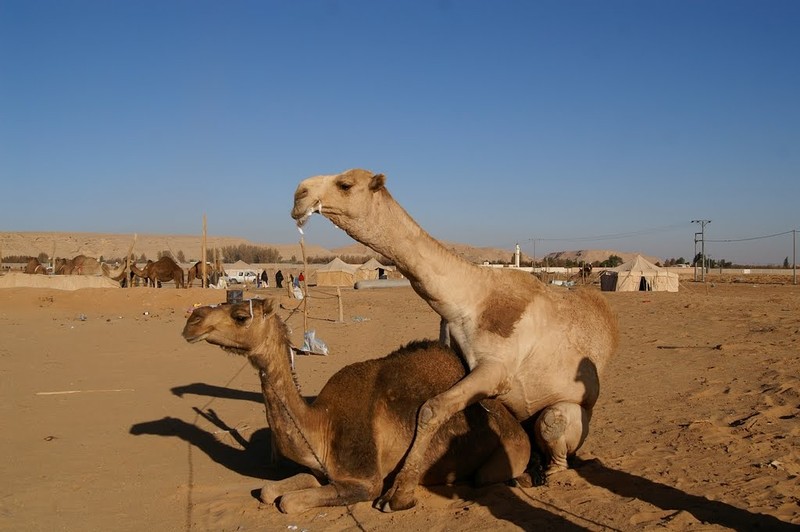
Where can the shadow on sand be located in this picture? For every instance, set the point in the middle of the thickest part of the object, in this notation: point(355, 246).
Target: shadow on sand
point(669, 498)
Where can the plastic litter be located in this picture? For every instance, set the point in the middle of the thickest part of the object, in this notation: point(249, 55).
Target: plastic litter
point(312, 344)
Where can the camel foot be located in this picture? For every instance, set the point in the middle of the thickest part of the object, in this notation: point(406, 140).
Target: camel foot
point(395, 500)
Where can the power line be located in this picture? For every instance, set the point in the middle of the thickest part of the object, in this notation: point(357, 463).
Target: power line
point(751, 238)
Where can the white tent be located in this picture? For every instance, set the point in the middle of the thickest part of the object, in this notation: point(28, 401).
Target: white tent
point(638, 275)
point(372, 269)
point(337, 273)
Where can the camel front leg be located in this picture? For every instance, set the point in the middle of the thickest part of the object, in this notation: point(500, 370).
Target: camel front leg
point(341, 493)
point(484, 381)
point(560, 430)
point(273, 489)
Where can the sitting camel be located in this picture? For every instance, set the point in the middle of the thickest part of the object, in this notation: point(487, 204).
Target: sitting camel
point(538, 350)
point(80, 265)
point(163, 270)
point(358, 428)
point(35, 267)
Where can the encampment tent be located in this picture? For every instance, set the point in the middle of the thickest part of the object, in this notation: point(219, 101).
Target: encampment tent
point(337, 273)
point(372, 269)
point(638, 275)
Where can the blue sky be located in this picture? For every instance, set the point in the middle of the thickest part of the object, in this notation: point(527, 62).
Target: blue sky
point(566, 123)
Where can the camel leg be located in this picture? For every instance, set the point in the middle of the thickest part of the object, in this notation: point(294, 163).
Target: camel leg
point(510, 460)
point(339, 493)
point(273, 489)
point(560, 430)
point(484, 381)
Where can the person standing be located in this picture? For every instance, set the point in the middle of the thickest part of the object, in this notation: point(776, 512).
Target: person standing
point(279, 279)
point(264, 279)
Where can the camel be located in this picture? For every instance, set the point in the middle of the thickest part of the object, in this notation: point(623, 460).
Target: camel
point(161, 271)
point(116, 274)
point(540, 350)
point(196, 272)
point(35, 267)
point(80, 265)
point(357, 430)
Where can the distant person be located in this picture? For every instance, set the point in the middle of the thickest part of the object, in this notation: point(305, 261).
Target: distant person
point(292, 280)
point(301, 278)
point(264, 279)
point(279, 279)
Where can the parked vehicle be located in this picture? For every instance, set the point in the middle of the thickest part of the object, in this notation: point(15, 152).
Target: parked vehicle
point(247, 276)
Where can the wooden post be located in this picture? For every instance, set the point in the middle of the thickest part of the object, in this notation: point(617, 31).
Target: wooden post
point(303, 287)
point(128, 269)
point(339, 300)
point(204, 280)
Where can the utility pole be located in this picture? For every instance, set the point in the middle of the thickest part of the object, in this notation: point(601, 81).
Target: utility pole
point(794, 256)
point(702, 245)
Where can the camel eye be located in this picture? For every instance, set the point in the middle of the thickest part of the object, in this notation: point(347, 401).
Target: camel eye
point(240, 319)
point(344, 186)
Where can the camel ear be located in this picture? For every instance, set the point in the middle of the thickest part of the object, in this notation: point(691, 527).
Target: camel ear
point(377, 182)
point(268, 307)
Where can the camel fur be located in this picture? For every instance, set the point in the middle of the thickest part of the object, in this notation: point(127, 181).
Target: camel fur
point(354, 434)
point(35, 267)
point(163, 270)
point(540, 350)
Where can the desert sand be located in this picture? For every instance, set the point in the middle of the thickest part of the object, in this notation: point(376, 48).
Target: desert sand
point(112, 421)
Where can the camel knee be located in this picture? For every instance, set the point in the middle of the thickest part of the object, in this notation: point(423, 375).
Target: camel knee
point(560, 431)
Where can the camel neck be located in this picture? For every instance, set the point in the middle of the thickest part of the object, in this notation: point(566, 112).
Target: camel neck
point(436, 274)
point(288, 414)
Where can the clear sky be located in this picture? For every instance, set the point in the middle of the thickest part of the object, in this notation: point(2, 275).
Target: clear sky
point(574, 124)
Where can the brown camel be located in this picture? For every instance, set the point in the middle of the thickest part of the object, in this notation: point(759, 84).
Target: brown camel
point(540, 350)
point(35, 267)
point(163, 270)
point(357, 430)
point(196, 272)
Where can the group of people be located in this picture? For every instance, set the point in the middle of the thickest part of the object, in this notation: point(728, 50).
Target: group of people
point(263, 280)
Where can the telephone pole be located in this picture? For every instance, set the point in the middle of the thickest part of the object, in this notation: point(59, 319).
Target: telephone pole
point(702, 245)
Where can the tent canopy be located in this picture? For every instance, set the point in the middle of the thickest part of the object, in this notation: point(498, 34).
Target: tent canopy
point(638, 274)
point(371, 269)
point(337, 273)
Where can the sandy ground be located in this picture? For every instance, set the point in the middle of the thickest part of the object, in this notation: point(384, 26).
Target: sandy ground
point(111, 421)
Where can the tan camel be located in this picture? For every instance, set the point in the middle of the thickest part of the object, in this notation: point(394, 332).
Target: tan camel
point(116, 274)
point(357, 430)
point(35, 267)
point(540, 350)
point(79, 265)
point(163, 270)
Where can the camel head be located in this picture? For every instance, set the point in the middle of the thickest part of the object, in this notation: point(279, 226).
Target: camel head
point(236, 327)
point(343, 198)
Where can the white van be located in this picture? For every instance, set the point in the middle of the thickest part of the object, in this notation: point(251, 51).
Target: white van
point(245, 276)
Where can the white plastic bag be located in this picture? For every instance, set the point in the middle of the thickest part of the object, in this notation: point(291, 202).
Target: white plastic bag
point(313, 345)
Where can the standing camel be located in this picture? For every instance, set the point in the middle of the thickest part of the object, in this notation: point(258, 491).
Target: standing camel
point(163, 270)
point(358, 428)
point(537, 349)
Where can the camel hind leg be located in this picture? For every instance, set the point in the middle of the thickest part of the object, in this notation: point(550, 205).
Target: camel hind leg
point(560, 430)
point(484, 381)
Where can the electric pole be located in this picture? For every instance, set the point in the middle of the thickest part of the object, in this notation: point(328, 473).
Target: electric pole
point(702, 245)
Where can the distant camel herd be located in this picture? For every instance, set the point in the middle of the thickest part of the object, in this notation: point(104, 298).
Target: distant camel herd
point(153, 274)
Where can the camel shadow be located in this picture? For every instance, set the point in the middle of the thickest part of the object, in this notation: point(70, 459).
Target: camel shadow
point(251, 458)
point(669, 498)
point(220, 392)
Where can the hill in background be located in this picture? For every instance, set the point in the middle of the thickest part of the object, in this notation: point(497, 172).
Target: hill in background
point(112, 246)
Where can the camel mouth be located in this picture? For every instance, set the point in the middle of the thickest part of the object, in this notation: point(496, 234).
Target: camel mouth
point(198, 338)
point(303, 218)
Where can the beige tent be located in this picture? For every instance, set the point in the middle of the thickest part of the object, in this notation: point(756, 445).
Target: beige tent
point(638, 275)
point(337, 273)
point(372, 269)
